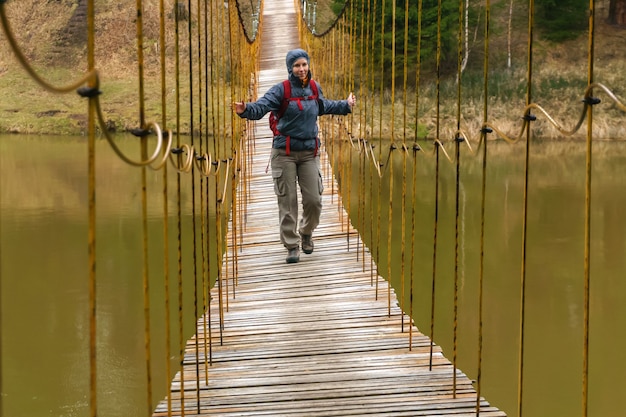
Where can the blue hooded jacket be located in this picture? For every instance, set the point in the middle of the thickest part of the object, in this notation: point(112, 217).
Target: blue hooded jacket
point(300, 125)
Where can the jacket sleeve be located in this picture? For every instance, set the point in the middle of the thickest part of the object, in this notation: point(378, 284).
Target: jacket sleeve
point(327, 106)
point(270, 101)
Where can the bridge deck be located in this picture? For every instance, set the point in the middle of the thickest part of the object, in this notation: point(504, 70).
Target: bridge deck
point(312, 338)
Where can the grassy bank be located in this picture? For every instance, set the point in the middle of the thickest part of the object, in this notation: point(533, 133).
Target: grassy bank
point(560, 75)
point(31, 109)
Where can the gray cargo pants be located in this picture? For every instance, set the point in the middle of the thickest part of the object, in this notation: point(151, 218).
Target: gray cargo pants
point(303, 167)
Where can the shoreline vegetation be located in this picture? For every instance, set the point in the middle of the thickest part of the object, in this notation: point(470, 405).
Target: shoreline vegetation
point(560, 74)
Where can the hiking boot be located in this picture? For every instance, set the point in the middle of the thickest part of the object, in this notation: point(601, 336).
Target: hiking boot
point(307, 244)
point(293, 256)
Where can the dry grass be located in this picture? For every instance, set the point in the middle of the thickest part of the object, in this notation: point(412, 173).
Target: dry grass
point(559, 77)
point(36, 28)
point(560, 74)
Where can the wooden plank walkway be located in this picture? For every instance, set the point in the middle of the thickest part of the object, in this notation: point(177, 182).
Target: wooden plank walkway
point(312, 338)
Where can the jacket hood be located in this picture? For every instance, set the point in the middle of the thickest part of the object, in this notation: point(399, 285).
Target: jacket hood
point(293, 56)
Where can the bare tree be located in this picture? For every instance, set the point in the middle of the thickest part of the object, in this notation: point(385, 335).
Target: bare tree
point(466, 42)
point(466, 57)
point(509, 46)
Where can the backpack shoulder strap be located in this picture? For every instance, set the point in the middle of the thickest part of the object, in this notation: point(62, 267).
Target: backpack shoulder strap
point(314, 89)
point(286, 97)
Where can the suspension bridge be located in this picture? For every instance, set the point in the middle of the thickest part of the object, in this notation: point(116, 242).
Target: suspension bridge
point(314, 339)
point(329, 335)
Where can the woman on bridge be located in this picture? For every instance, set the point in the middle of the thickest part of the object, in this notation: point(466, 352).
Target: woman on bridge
point(296, 103)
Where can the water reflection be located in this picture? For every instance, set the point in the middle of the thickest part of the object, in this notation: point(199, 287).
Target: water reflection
point(44, 279)
point(554, 265)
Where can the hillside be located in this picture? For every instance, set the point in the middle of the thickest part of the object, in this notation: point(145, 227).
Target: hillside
point(52, 35)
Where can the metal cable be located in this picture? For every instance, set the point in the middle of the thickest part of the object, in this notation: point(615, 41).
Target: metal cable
point(181, 339)
point(587, 256)
point(520, 387)
point(459, 75)
point(404, 158)
point(481, 269)
point(91, 236)
point(204, 189)
point(415, 149)
point(436, 219)
point(144, 206)
point(146, 278)
point(90, 77)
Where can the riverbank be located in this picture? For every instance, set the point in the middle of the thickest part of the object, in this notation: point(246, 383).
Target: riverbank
point(30, 109)
point(560, 77)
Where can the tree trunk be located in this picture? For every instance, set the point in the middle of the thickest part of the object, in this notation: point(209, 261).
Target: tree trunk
point(508, 61)
point(617, 12)
point(466, 56)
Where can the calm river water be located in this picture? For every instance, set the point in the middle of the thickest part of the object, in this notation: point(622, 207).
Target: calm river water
point(554, 267)
point(44, 275)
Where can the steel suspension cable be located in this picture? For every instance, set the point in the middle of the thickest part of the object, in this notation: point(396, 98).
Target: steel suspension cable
point(437, 149)
point(234, 63)
point(520, 387)
point(352, 131)
point(404, 162)
point(390, 226)
point(332, 63)
point(392, 136)
point(214, 124)
point(204, 197)
point(348, 120)
point(457, 147)
point(194, 232)
point(144, 204)
point(322, 65)
point(90, 77)
point(375, 221)
point(403, 236)
point(375, 246)
point(587, 244)
point(481, 260)
point(361, 221)
point(413, 248)
point(224, 20)
point(218, 211)
point(181, 339)
point(146, 275)
point(208, 100)
point(91, 236)
point(346, 129)
point(415, 149)
point(166, 259)
point(380, 115)
point(361, 122)
point(348, 167)
point(230, 19)
point(222, 278)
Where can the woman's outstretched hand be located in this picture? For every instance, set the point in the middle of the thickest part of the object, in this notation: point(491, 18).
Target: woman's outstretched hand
point(239, 107)
point(351, 100)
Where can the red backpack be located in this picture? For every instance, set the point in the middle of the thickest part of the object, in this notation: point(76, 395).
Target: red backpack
point(275, 116)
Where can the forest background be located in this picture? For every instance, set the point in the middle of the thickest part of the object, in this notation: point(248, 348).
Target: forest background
point(52, 35)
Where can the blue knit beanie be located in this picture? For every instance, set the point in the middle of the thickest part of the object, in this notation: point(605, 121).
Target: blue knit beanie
point(294, 55)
